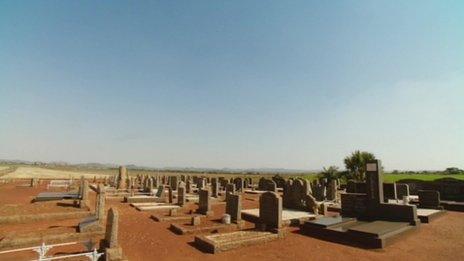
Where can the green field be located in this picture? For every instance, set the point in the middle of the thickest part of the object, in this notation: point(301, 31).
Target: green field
point(426, 177)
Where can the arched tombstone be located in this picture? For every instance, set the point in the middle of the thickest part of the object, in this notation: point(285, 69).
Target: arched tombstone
point(270, 211)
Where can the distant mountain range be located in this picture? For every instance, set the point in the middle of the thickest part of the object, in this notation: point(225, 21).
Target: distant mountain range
point(94, 165)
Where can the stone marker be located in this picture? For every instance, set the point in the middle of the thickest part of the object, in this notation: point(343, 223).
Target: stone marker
point(100, 209)
point(215, 187)
point(230, 188)
point(84, 202)
point(204, 203)
point(113, 251)
point(270, 211)
point(160, 194)
point(332, 190)
point(234, 207)
point(429, 199)
point(195, 221)
point(170, 195)
point(122, 178)
point(181, 196)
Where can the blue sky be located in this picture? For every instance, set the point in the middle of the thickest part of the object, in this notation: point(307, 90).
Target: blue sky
point(241, 84)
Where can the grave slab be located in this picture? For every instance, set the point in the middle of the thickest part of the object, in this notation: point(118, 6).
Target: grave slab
point(227, 241)
point(289, 216)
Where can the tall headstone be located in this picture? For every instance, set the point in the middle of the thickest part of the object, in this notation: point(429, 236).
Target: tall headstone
point(234, 207)
point(204, 203)
point(188, 186)
point(122, 178)
point(374, 182)
point(181, 197)
point(173, 182)
point(332, 190)
point(100, 210)
point(170, 195)
point(113, 251)
point(215, 187)
point(84, 202)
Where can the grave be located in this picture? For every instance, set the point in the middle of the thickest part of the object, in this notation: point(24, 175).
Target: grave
point(113, 252)
point(366, 220)
point(95, 223)
point(269, 228)
point(429, 206)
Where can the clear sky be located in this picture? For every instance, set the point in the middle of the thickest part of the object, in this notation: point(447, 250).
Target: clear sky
point(240, 84)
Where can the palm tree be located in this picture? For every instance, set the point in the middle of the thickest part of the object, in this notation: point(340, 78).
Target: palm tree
point(356, 163)
point(330, 172)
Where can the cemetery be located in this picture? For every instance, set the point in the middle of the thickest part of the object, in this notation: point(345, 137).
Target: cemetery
point(207, 216)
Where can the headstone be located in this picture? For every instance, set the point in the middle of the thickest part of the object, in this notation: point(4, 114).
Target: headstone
point(188, 186)
point(195, 221)
point(389, 191)
point(429, 199)
point(173, 182)
point(230, 188)
point(238, 184)
point(84, 202)
point(160, 194)
point(112, 227)
point(204, 203)
point(270, 210)
point(332, 190)
point(181, 196)
point(100, 210)
point(234, 207)
point(215, 187)
point(122, 178)
point(374, 183)
point(170, 195)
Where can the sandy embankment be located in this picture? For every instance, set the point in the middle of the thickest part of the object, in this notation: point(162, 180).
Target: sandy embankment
point(36, 172)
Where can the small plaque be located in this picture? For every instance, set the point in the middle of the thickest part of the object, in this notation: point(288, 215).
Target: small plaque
point(371, 167)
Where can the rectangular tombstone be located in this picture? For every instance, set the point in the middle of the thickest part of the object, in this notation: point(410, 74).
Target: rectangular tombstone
point(354, 204)
point(173, 182)
point(429, 199)
point(332, 190)
point(389, 191)
point(160, 193)
point(188, 186)
point(270, 210)
point(112, 227)
point(374, 182)
point(181, 195)
point(234, 207)
point(204, 203)
point(170, 195)
point(215, 187)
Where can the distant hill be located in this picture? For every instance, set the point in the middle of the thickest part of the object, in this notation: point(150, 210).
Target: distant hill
point(95, 165)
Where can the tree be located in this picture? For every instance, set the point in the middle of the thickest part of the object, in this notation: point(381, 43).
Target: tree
point(330, 173)
point(453, 170)
point(356, 164)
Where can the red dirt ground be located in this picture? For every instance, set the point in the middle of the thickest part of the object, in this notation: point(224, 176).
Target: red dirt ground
point(142, 238)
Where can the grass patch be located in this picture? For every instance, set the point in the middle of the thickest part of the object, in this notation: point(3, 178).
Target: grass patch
point(390, 178)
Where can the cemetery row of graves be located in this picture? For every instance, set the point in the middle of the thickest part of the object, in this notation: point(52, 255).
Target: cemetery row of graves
point(368, 215)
